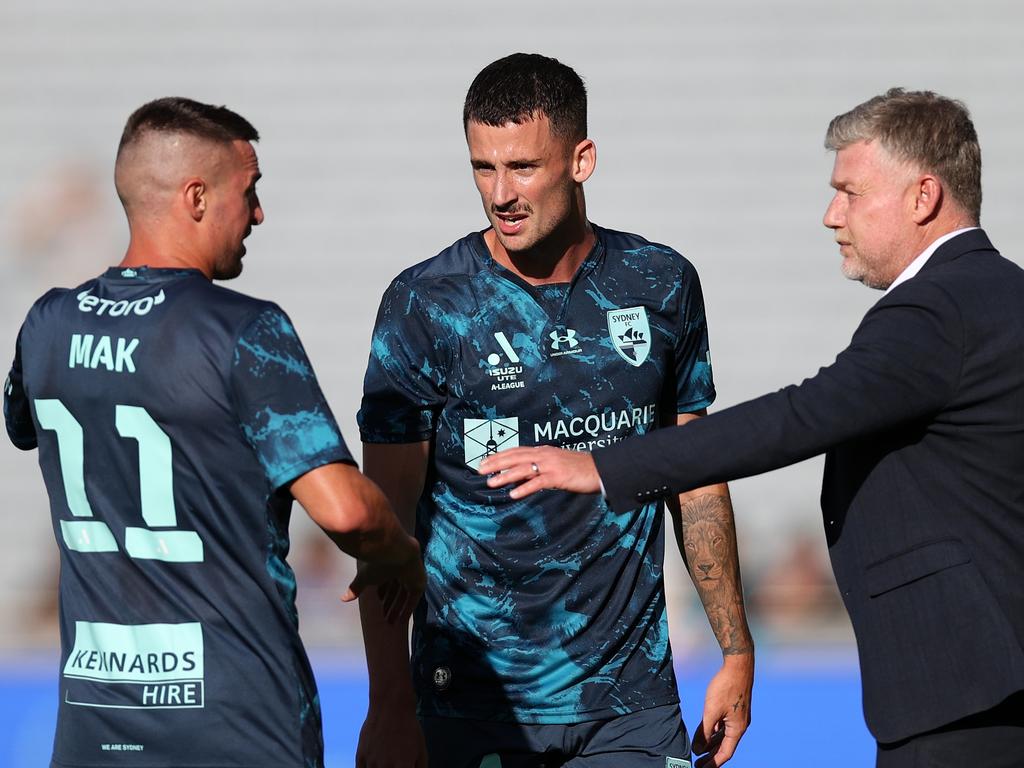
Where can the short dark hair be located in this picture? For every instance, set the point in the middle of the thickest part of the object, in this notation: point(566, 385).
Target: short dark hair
point(932, 132)
point(523, 86)
point(176, 114)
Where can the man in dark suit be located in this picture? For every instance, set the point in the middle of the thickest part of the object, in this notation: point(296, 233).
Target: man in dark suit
point(922, 419)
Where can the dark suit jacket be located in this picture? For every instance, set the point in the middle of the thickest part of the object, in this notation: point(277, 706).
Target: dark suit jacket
point(922, 417)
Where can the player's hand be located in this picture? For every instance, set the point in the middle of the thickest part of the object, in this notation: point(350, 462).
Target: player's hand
point(398, 586)
point(726, 711)
point(539, 468)
point(394, 740)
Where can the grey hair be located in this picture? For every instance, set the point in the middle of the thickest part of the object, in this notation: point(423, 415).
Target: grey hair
point(924, 129)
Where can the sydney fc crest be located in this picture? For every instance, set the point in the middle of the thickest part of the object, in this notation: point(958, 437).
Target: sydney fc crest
point(630, 334)
point(485, 437)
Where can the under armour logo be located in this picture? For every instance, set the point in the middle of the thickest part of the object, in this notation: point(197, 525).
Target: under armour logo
point(569, 339)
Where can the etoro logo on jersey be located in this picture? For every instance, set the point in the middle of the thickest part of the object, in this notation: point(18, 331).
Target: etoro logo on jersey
point(507, 371)
point(485, 437)
point(630, 334)
point(88, 303)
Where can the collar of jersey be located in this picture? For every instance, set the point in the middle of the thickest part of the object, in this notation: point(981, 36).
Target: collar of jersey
point(593, 258)
point(149, 273)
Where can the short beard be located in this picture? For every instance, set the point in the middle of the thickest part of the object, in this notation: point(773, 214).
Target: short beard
point(229, 270)
point(852, 272)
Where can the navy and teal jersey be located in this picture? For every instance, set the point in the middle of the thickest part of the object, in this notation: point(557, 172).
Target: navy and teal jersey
point(170, 416)
point(549, 609)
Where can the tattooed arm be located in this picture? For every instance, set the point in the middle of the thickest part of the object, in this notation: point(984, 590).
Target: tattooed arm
point(706, 535)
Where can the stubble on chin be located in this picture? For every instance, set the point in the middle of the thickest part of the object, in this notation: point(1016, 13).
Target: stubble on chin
point(855, 271)
point(517, 244)
point(852, 269)
point(229, 270)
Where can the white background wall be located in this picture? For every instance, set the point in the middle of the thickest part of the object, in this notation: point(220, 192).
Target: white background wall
point(708, 118)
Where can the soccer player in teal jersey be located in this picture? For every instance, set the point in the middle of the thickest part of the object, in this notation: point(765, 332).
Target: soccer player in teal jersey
point(176, 420)
point(542, 639)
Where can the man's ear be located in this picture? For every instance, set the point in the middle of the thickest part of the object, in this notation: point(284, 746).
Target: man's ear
point(927, 198)
point(195, 198)
point(584, 160)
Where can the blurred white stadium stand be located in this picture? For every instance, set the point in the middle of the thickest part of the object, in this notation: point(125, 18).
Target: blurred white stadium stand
point(709, 120)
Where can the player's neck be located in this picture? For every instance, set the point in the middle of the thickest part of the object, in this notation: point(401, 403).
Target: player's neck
point(555, 260)
point(161, 253)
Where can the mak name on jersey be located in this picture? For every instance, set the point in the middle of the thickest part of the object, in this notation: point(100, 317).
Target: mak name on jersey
point(113, 354)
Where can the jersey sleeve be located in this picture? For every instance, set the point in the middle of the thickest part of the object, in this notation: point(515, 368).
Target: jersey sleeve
point(695, 386)
point(17, 415)
point(404, 387)
point(280, 407)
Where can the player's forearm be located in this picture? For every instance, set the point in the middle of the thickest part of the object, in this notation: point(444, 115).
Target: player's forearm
point(399, 471)
point(387, 656)
point(354, 512)
point(374, 535)
point(707, 540)
point(394, 477)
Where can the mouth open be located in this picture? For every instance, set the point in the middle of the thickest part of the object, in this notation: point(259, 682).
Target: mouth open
point(510, 223)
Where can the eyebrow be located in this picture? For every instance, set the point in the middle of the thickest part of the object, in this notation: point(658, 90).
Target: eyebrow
point(478, 163)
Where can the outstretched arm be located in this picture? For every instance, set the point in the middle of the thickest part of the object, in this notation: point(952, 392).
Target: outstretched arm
point(351, 509)
point(706, 534)
point(884, 378)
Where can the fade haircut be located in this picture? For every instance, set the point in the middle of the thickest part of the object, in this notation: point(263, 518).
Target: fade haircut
point(924, 129)
point(176, 114)
point(523, 87)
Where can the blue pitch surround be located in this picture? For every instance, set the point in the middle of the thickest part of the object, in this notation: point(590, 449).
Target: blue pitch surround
point(804, 711)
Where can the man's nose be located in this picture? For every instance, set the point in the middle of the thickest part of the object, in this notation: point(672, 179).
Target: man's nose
point(504, 193)
point(834, 214)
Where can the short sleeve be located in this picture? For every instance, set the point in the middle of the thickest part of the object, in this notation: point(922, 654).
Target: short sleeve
point(280, 407)
point(695, 386)
point(17, 415)
point(404, 387)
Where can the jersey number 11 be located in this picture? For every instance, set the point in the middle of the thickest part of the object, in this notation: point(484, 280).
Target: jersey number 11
point(155, 482)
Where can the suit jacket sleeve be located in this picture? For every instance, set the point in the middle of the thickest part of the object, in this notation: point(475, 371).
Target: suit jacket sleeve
point(903, 364)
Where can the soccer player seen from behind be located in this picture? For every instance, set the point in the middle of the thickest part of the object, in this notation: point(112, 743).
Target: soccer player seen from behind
point(176, 420)
point(542, 638)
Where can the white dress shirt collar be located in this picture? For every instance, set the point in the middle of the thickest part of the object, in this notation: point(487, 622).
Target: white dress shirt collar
point(915, 266)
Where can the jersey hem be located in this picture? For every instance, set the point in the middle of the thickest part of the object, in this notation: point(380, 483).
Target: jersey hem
point(553, 718)
point(378, 439)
